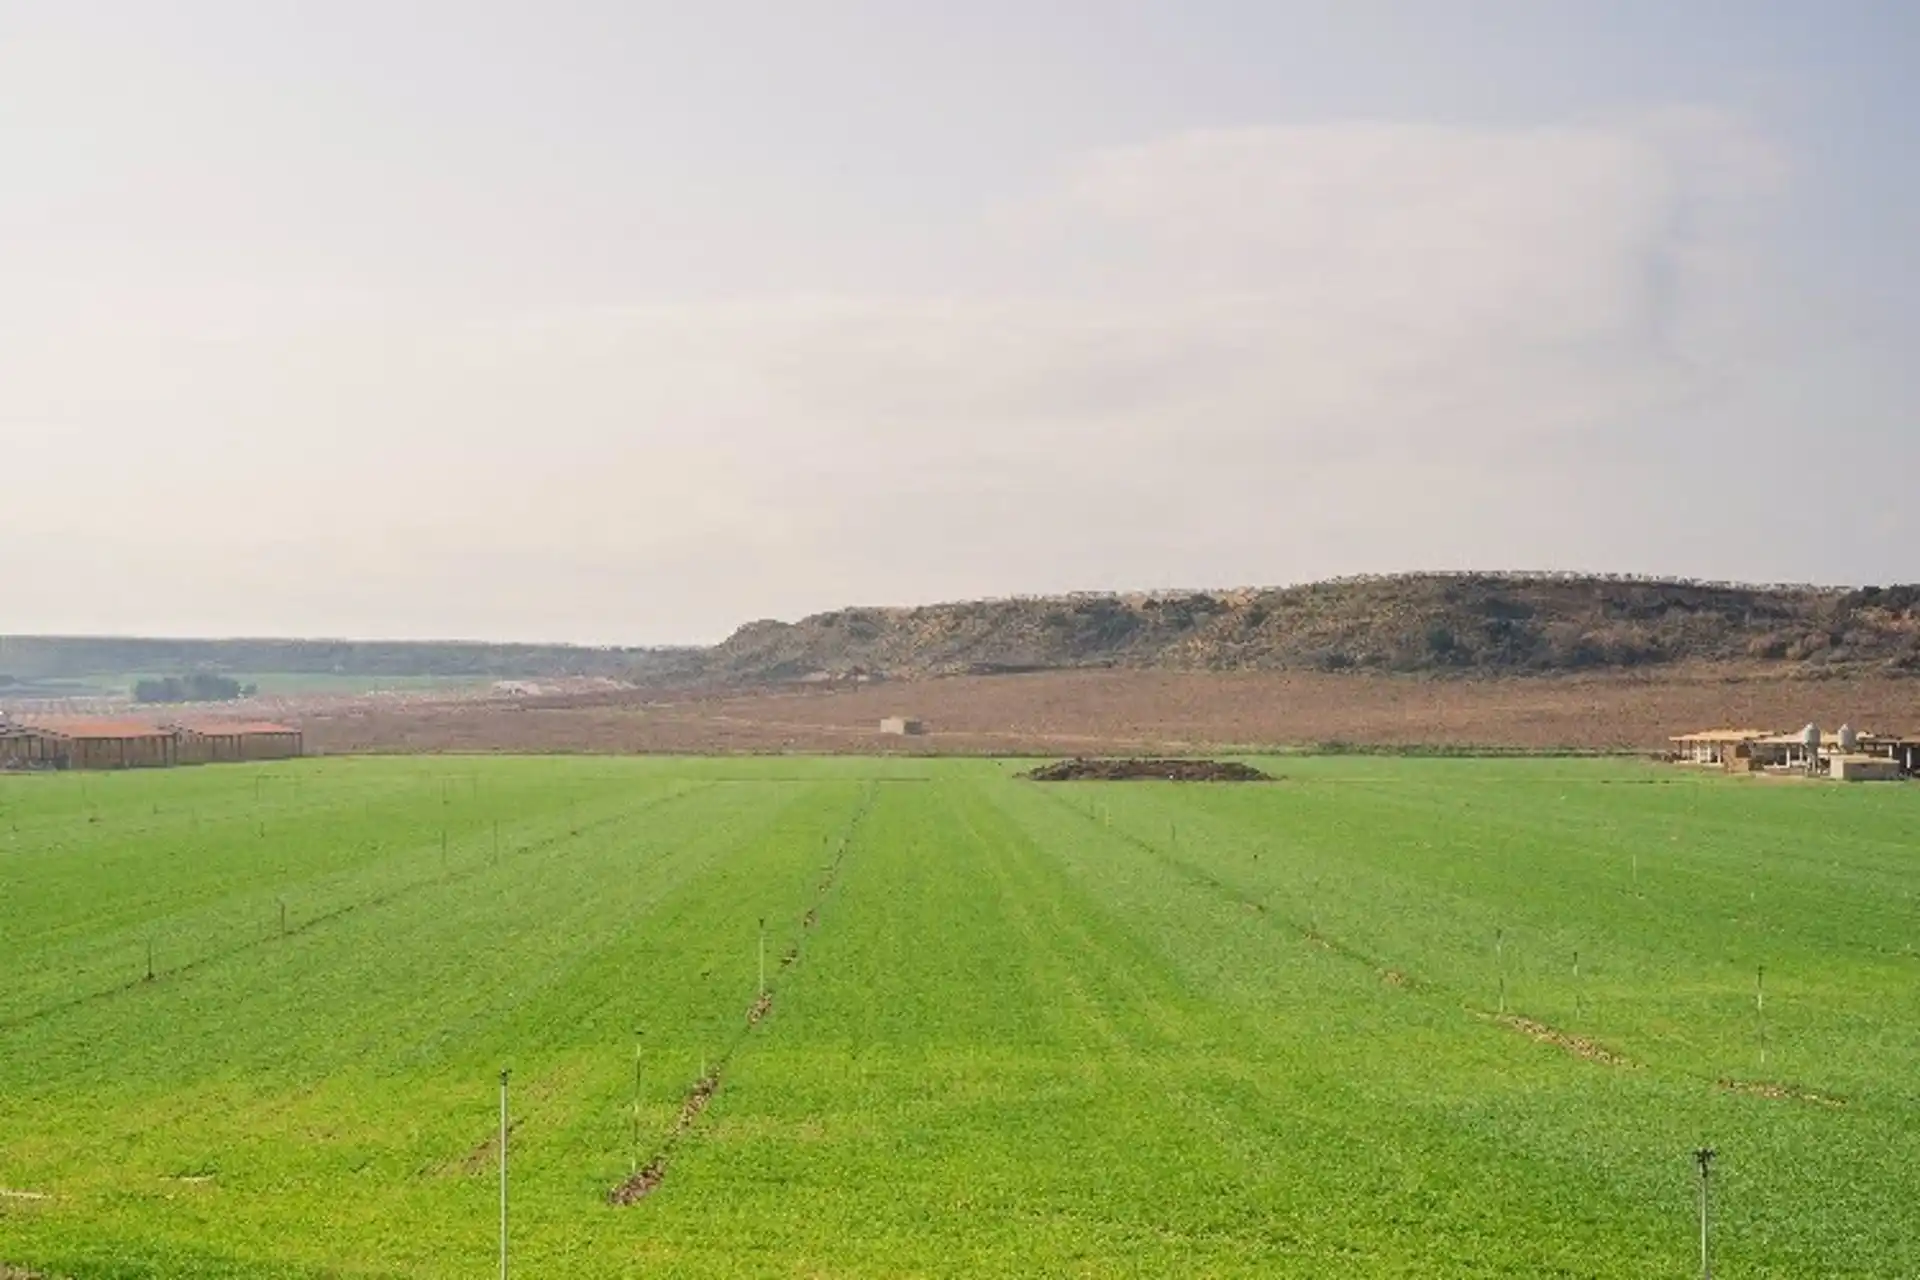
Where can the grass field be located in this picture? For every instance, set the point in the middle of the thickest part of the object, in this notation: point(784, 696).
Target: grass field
point(289, 684)
point(1080, 1030)
point(305, 684)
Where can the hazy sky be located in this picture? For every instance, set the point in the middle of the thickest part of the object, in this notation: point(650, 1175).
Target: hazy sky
point(632, 321)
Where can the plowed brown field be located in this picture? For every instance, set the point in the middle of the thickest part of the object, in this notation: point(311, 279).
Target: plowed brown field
point(1131, 711)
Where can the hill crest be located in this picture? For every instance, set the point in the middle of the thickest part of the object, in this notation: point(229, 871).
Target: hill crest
point(1433, 623)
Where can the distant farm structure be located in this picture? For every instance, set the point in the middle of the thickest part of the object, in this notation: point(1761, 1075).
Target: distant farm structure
point(106, 744)
point(902, 727)
point(91, 743)
point(22, 748)
point(214, 742)
point(1848, 756)
point(1863, 769)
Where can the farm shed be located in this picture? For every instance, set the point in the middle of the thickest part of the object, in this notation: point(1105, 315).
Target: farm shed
point(902, 726)
point(1780, 751)
point(214, 742)
point(1902, 749)
point(1864, 769)
point(22, 747)
point(1717, 746)
point(108, 744)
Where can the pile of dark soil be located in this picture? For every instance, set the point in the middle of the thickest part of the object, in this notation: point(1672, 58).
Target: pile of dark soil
point(1080, 769)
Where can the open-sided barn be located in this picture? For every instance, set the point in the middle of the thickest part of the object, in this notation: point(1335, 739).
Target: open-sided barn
point(23, 747)
point(106, 744)
point(1717, 746)
point(222, 742)
point(1849, 754)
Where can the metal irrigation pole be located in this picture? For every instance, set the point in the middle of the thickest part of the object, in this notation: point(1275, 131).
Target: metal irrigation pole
point(1500, 959)
point(1704, 1157)
point(636, 1100)
point(503, 1173)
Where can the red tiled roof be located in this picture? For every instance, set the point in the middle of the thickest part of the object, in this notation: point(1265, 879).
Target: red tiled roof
point(92, 728)
point(229, 728)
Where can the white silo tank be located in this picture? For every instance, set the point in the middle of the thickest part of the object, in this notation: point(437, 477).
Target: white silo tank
point(1848, 739)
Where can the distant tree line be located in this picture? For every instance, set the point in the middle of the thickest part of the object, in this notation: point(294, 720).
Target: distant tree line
point(31, 658)
point(201, 686)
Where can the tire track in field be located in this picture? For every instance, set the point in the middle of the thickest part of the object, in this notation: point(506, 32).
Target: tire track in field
point(1573, 1044)
point(313, 922)
point(693, 1104)
point(1308, 932)
point(1399, 979)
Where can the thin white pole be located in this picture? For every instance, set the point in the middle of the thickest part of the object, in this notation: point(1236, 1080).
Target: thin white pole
point(635, 1158)
point(1705, 1157)
point(503, 1173)
point(1500, 954)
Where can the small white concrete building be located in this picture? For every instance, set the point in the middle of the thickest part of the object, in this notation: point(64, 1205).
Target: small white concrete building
point(902, 726)
point(1864, 769)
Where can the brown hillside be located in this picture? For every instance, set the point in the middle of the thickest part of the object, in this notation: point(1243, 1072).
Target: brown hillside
point(1464, 624)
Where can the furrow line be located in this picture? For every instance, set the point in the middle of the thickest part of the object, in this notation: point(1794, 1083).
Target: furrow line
point(648, 1177)
point(312, 922)
point(1579, 1046)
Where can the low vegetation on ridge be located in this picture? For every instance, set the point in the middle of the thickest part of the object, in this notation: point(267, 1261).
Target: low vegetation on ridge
point(1470, 624)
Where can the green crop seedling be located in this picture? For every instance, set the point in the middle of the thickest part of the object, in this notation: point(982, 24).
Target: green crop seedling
point(920, 1017)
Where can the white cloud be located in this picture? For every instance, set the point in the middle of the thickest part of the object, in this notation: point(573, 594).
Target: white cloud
point(1249, 355)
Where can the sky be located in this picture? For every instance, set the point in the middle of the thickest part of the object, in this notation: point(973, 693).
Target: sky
point(629, 322)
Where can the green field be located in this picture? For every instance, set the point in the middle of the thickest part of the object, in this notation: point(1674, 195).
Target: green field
point(289, 684)
point(272, 684)
point(1074, 1030)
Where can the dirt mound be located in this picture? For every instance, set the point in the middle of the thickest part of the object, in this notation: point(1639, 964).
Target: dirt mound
point(1080, 769)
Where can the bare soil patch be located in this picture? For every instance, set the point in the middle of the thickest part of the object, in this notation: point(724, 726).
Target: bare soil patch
point(1781, 1092)
point(648, 1178)
point(486, 1152)
point(1135, 712)
point(640, 1185)
point(1082, 769)
point(1579, 1046)
point(697, 1099)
